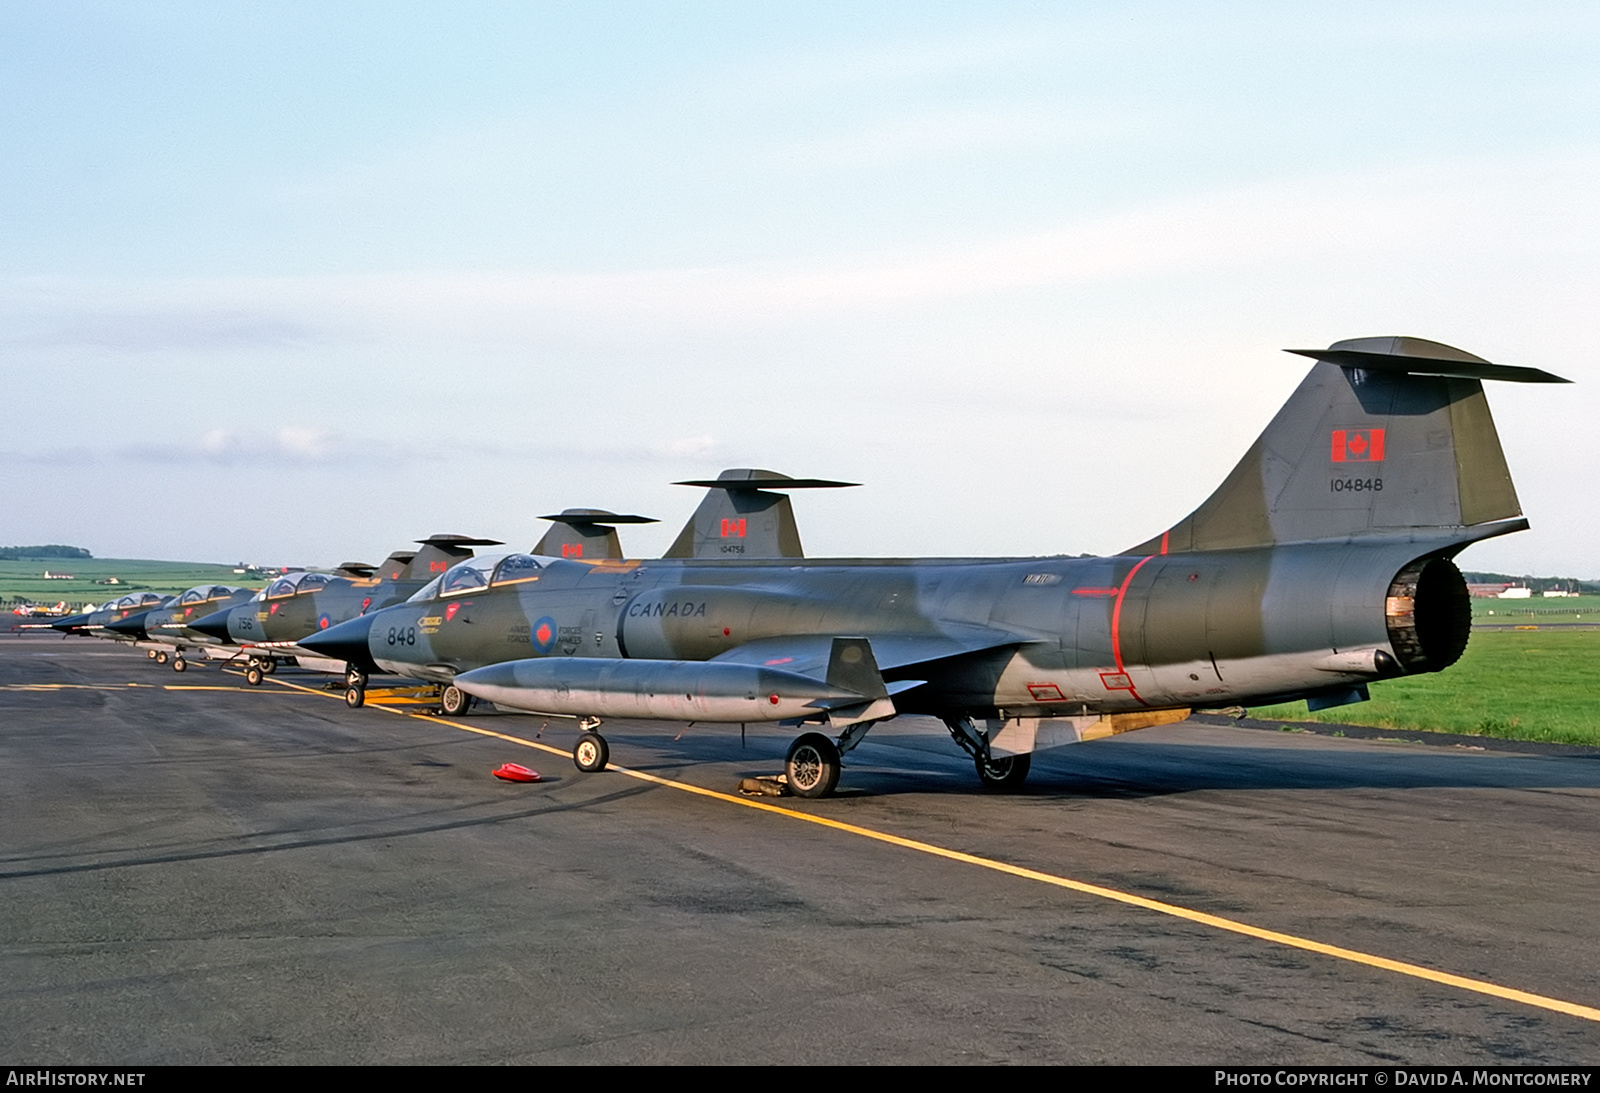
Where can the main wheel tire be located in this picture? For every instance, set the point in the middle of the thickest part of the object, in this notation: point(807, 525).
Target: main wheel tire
point(812, 766)
point(269, 665)
point(1004, 773)
point(179, 664)
point(151, 653)
point(591, 753)
point(253, 675)
point(454, 702)
point(355, 697)
point(161, 657)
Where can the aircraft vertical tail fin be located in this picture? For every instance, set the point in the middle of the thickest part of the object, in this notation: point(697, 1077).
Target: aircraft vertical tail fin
point(742, 516)
point(585, 533)
point(1384, 436)
point(395, 565)
point(440, 552)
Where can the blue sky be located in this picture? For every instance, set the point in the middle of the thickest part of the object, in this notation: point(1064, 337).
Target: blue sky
point(299, 283)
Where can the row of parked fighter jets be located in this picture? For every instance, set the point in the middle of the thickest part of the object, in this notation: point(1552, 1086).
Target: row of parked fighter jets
point(1321, 564)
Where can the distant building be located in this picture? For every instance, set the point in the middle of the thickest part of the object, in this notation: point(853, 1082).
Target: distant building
point(1517, 593)
point(1486, 591)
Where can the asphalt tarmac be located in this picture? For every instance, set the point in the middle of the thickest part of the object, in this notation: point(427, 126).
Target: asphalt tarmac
point(260, 875)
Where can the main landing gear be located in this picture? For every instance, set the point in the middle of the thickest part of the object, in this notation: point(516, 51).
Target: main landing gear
point(591, 753)
point(1000, 773)
point(812, 766)
point(454, 702)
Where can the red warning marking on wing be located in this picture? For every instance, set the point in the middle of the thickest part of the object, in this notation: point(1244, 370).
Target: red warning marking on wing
point(1046, 692)
point(733, 529)
point(1094, 591)
point(1357, 446)
point(1116, 681)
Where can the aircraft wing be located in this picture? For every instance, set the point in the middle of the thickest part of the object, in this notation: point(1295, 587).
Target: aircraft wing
point(809, 654)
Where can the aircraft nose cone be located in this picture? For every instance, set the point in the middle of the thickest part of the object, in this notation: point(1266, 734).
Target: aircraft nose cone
point(346, 642)
point(214, 625)
point(132, 625)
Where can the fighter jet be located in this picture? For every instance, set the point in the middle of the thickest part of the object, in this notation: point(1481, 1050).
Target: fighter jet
point(743, 515)
point(299, 604)
point(164, 631)
point(95, 623)
point(1322, 564)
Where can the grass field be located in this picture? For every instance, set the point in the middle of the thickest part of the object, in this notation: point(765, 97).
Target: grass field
point(25, 581)
point(1533, 611)
point(1517, 684)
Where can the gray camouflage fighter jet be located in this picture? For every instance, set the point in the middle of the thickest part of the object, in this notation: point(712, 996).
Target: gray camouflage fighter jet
point(296, 605)
point(95, 623)
point(1320, 565)
point(164, 632)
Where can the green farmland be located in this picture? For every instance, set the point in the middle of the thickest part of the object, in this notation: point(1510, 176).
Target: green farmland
point(23, 581)
point(1538, 684)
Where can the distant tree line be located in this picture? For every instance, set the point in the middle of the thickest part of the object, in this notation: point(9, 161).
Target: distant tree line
point(53, 550)
point(1541, 584)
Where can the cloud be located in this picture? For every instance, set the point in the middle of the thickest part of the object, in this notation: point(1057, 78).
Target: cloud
point(291, 444)
point(164, 330)
point(1438, 219)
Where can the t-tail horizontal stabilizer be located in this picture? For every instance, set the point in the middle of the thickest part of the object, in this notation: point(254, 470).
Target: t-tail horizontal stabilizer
point(743, 516)
point(585, 533)
point(440, 552)
point(1386, 437)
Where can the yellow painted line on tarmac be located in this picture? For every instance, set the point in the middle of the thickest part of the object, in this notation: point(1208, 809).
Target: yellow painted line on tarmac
point(1354, 956)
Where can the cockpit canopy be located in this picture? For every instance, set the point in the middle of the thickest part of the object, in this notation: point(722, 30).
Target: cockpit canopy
point(138, 599)
point(201, 593)
point(481, 572)
point(293, 583)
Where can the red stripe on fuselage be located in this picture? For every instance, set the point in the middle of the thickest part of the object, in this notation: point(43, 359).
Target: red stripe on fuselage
point(1116, 627)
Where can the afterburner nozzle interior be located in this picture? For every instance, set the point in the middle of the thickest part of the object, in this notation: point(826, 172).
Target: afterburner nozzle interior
point(1429, 615)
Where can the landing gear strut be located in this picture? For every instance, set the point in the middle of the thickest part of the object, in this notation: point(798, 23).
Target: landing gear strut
point(1001, 773)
